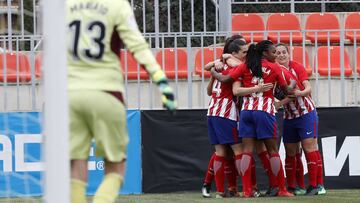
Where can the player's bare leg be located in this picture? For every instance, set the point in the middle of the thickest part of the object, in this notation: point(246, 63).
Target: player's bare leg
point(111, 184)
point(79, 176)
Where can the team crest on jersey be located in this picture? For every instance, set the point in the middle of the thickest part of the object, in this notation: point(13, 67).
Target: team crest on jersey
point(265, 70)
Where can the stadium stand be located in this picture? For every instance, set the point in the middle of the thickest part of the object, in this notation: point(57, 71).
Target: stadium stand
point(210, 54)
point(132, 66)
point(17, 68)
point(284, 21)
point(169, 57)
point(353, 22)
point(298, 56)
point(322, 21)
point(248, 22)
point(334, 65)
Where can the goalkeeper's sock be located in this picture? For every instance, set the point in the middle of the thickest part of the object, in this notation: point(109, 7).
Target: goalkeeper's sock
point(109, 188)
point(78, 191)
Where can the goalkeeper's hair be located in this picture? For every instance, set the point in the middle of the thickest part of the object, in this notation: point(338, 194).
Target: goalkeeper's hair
point(254, 56)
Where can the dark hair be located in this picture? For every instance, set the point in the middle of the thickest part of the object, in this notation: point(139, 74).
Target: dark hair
point(229, 41)
point(284, 45)
point(254, 56)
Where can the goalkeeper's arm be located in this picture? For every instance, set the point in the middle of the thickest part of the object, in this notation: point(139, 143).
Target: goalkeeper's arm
point(136, 44)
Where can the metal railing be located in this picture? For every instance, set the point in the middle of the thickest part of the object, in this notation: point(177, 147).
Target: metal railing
point(292, 3)
point(163, 28)
point(329, 88)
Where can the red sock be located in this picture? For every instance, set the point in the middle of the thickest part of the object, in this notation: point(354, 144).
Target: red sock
point(299, 171)
point(219, 173)
point(264, 157)
point(277, 170)
point(290, 169)
point(209, 176)
point(246, 172)
point(320, 177)
point(230, 172)
point(312, 159)
point(238, 163)
point(253, 173)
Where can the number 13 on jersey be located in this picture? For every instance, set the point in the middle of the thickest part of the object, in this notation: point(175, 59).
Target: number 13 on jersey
point(91, 36)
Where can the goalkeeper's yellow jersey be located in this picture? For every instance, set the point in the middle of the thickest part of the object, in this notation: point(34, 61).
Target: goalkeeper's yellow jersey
point(96, 29)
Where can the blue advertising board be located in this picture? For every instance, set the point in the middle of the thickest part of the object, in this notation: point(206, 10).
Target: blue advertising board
point(21, 163)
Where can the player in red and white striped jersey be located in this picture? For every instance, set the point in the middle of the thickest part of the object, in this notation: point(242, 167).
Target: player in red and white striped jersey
point(300, 124)
point(257, 119)
point(213, 90)
point(222, 126)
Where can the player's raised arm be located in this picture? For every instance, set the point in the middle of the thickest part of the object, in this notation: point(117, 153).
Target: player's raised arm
point(128, 31)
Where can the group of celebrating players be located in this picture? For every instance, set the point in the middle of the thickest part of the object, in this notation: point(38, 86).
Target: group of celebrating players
point(248, 84)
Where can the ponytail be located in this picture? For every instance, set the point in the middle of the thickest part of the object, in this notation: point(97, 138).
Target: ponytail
point(255, 55)
point(253, 61)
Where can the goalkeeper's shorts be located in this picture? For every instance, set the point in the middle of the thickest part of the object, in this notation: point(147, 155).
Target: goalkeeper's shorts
point(98, 115)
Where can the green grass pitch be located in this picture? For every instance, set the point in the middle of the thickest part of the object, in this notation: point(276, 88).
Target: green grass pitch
point(338, 196)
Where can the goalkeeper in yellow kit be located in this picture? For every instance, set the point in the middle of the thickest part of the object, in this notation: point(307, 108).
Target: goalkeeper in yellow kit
point(97, 110)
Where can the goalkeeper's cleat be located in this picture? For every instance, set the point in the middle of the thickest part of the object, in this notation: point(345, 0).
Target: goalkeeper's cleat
point(321, 190)
point(311, 190)
point(205, 190)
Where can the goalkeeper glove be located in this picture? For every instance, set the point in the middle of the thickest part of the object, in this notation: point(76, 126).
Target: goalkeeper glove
point(167, 97)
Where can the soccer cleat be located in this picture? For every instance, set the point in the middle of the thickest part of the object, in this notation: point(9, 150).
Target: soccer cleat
point(321, 190)
point(233, 192)
point(299, 191)
point(272, 192)
point(256, 193)
point(311, 190)
point(220, 195)
point(284, 193)
point(291, 190)
point(205, 190)
point(253, 194)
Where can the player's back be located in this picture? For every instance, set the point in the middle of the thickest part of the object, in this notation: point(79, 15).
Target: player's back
point(93, 44)
point(271, 73)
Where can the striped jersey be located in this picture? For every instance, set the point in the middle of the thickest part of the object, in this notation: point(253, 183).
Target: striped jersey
point(223, 102)
point(262, 101)
point(301, 105)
